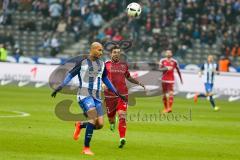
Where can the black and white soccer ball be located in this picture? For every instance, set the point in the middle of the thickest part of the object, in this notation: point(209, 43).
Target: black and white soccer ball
point(134, 10)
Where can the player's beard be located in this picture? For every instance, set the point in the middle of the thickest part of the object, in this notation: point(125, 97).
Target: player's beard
point(115, 59)
point(97, 55)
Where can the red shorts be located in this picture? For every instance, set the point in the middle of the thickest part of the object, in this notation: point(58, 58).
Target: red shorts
point(167, 87)
point(113, 105)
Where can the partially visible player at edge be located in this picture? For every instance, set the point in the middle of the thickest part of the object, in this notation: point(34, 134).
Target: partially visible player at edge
point(89, 98)
point(208, 70)
point(168, 79)
point(117, 72)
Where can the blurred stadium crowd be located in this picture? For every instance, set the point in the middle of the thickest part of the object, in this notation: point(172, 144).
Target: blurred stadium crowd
point(191, 28)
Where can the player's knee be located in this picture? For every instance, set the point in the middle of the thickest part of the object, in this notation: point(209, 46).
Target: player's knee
point(99, 122)
point(164, 94)
point(111, 120)
point(92, 121)
point(210, 94)
point(92, 114)
point(122, 115)
point(99, 126)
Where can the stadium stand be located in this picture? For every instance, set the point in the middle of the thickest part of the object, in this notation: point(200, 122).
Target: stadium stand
point(192, 28)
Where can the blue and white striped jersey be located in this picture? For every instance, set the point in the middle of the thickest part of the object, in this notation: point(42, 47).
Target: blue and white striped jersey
point(90, 77)
point(209, 70)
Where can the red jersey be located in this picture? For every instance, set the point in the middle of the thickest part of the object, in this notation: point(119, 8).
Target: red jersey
point(117, 73)
point(168, 76)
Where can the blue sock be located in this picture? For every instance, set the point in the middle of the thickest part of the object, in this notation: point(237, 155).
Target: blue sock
point(201, 95)
point(83, 124)
point(88, 134)
point(212, 101)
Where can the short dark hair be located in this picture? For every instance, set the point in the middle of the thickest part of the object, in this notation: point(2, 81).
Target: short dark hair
point(115, 47)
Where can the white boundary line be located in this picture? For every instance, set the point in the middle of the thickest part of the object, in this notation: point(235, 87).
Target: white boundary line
point(20, 114)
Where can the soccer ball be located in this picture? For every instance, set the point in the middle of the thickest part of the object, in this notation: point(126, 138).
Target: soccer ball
point(134, 9)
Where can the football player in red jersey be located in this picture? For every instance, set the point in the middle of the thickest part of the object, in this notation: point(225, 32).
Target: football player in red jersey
point(117, 73)
point(168, 79)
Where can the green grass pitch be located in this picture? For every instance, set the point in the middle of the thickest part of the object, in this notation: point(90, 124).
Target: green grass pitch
point(206, 135)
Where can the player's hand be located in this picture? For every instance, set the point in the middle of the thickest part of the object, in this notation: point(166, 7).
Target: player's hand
point(142, 85)
point(123, 98)
point(54, 93)
point(104, 87)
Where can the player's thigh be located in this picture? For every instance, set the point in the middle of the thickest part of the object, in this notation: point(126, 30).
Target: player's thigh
point(88, 106)
point(99, 107)
point(167, 88)
point(171, 91)
point(92, 115)
point(211, 89)
point(111, 105)
point(208, 88)
point(170, 87)
point(164, 88)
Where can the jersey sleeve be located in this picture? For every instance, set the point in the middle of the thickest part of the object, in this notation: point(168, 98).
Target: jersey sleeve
point(72, 73)
point(75, 70)
point(108, 83)
point(77, 67)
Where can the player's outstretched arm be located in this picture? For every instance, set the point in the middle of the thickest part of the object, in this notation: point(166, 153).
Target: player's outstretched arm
point(65, 82)
point(134, 81)
point(72, 73)
point(110, 86)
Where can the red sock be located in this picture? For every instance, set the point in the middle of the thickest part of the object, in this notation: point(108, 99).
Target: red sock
point(165, 102)
point(122, 127)
point(170, 102)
